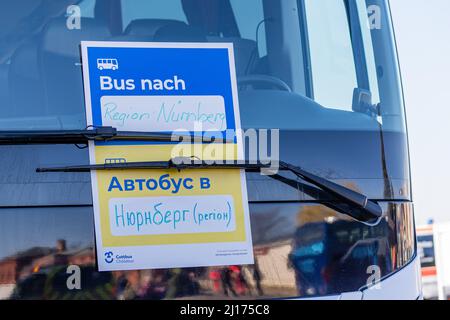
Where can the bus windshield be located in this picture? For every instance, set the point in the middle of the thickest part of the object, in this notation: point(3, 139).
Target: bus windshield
point(324, 73)
point(327, 56)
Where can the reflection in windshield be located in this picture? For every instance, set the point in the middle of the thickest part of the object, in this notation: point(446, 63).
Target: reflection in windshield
point(300, 250)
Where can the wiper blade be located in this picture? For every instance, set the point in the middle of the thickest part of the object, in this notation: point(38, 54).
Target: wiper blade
point(96, 134)
point(360, 207)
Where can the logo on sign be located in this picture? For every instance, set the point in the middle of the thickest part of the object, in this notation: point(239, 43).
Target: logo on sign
point(109, 257)
point(107, 64)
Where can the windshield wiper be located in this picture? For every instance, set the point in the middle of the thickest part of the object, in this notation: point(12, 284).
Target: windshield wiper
point(359, 206)
point(95, 134)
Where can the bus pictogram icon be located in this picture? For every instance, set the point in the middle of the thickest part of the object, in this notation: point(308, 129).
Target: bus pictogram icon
point(107, 64)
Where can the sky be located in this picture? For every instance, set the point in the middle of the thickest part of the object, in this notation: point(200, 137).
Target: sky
point(422, 30)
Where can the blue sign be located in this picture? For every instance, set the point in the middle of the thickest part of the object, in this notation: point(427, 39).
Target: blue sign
point(173, 87)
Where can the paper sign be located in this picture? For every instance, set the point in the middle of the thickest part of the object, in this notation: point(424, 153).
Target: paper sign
point(148, 219)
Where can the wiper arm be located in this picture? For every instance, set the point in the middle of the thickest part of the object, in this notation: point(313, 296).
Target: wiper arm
point(95, 134)
point(360, 207)
point(366, 210)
